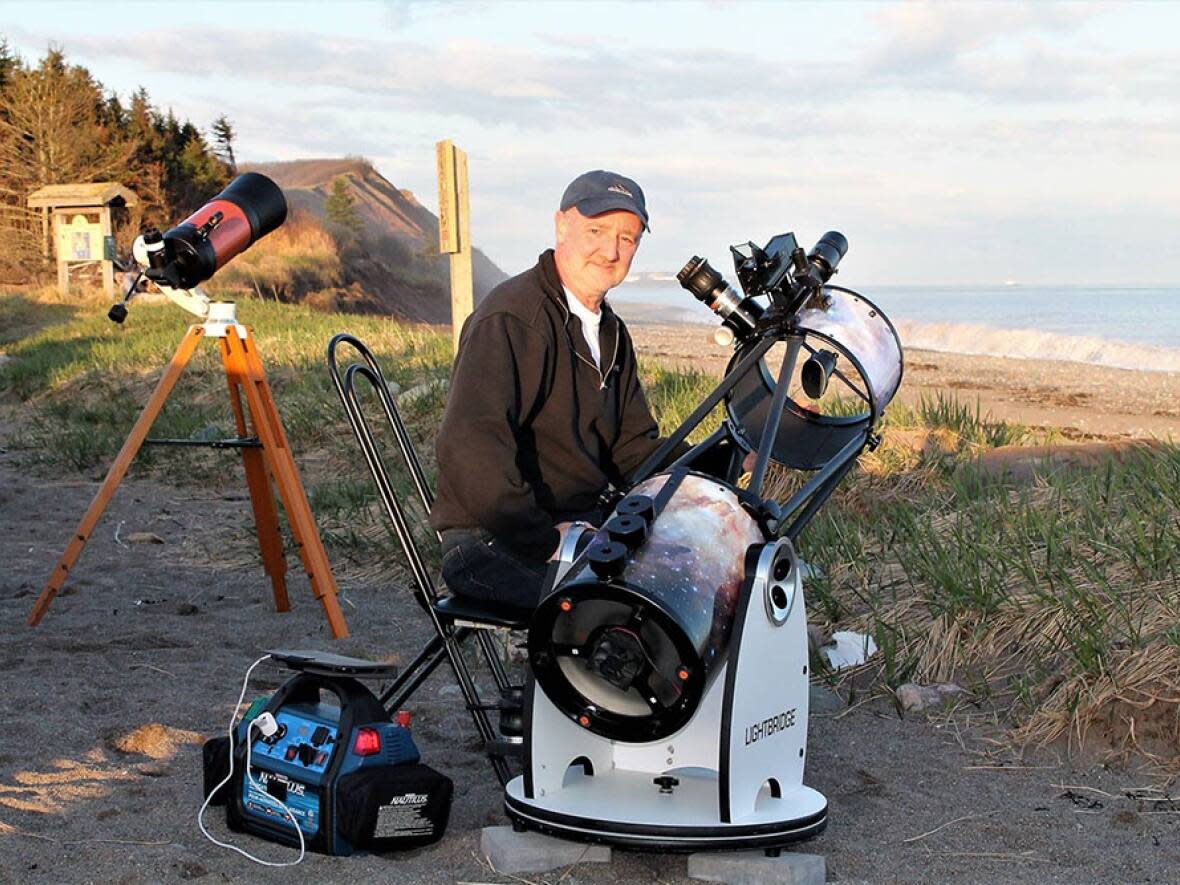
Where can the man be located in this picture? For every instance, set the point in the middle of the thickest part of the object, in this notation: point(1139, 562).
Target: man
point(545, 409)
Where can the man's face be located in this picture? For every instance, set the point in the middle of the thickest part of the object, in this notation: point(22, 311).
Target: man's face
point(594, 254)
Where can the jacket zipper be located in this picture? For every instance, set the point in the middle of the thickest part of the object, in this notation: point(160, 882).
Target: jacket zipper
point(602, 376)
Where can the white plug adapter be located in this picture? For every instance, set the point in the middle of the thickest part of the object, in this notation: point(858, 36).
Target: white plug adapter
point(266, 724)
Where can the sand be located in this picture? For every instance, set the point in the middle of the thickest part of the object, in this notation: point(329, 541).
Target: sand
point(1084, 401)
point(142, 656)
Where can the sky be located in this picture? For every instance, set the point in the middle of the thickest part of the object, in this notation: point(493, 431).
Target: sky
point(952, 143)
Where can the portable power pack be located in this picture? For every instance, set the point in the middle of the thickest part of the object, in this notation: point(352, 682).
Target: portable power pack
point(349, 776)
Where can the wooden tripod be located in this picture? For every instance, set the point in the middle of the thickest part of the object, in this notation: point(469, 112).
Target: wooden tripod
point(269, 459)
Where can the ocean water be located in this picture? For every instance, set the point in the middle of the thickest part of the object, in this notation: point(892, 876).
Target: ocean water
point(1130, 328)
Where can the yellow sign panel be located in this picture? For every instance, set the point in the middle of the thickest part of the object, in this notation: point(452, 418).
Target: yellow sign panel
point(79, 239)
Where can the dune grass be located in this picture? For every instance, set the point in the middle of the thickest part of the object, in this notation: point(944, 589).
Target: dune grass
point(298, 257)
point(1056, 601)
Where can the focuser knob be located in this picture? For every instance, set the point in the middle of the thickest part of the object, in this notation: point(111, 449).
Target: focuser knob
point(628, 530)
point(608, 560)
point(637, 505)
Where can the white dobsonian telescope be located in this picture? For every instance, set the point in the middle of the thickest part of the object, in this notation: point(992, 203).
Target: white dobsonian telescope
point(668, 702)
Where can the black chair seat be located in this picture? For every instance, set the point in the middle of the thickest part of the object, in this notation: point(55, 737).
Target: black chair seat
point(459, 608)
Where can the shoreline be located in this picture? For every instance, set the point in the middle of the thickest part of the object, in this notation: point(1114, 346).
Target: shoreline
point(1083, 400)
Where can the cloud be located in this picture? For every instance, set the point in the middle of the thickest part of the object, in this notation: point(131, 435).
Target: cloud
point(492, 84)
point(943, 119)
point(1022, 52)
point(931, 37)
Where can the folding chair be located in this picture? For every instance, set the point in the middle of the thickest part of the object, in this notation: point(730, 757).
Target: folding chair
point(454, 619)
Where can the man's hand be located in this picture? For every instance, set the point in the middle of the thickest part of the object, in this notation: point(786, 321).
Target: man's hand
point(749, 461)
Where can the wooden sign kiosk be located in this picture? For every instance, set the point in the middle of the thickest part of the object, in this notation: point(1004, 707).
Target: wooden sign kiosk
point(82, 230)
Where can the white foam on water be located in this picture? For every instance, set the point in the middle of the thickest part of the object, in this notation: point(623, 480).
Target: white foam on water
point(971, 338)
point(648, 303)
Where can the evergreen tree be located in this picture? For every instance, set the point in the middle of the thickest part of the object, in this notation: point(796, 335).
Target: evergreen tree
point(53, 129)
point(58, 125)
point(147, 177)
point(8, 62)
point(223, 142)
point(340, 207)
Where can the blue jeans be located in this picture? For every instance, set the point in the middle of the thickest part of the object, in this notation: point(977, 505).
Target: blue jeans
point(477, 566)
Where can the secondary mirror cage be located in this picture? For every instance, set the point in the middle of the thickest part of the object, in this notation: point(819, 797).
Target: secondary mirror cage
point(839, 335)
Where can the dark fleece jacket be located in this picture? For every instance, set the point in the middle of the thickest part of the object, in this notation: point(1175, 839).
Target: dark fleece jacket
point(533, 432)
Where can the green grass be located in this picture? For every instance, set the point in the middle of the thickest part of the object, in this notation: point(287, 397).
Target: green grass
point(973, 579)
point(23, 316)
point(81, 382)
point(1059, 598)
point(946, 412)
point(672, 395)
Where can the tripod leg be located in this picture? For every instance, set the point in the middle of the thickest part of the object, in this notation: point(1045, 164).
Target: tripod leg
point(118, 470)
point(277, 454)
point(262, 496)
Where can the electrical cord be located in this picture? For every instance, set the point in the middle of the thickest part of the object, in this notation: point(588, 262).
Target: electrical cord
point(250, 778)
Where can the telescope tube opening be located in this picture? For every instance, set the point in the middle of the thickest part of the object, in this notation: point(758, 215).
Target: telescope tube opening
point(628, 644)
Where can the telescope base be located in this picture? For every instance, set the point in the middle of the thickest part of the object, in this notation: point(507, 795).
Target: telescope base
point(626, 809)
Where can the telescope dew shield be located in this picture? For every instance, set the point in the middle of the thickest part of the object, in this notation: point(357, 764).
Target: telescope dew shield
point(628, 643)
point(247, 210)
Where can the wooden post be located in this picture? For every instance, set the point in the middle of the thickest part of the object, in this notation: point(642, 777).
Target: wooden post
point(63, 269)
point(454, 230)
point(108, 267)
point(448, 207)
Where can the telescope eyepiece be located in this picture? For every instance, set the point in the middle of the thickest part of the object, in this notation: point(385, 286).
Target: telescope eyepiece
point(699, 278)
point(710, 288)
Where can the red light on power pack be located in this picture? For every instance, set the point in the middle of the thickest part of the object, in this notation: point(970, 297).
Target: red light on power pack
point(404, 718)
point(367, 743)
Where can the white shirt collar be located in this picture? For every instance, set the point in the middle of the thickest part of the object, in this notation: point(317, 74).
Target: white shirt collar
point(590, 323)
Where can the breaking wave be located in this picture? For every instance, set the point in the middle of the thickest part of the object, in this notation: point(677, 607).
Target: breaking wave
point(1033, 344)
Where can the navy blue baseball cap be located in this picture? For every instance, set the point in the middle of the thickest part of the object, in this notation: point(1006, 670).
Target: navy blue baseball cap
point(594, 193)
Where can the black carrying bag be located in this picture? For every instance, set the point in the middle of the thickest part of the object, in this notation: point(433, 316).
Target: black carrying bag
point(393, 809)
point(215, 756)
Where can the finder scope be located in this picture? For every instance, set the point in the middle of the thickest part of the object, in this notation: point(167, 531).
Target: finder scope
point(827, 253)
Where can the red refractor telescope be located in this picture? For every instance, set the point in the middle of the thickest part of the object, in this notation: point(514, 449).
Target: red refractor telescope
point(247, 210)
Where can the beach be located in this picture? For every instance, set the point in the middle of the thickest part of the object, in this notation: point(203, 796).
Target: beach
point(140, 658)
point(1083, 401)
